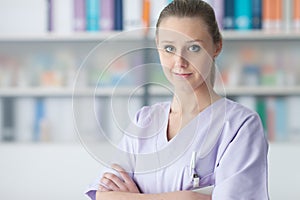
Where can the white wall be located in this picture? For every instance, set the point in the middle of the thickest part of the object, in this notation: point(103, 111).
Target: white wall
point(45, 171)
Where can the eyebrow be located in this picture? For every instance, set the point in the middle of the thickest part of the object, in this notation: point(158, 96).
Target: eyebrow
point(190, 41)
point(197, 40)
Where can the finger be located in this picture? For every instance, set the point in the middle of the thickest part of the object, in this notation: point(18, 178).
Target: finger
point(128, 181)
point(123, 173)
point(110, 184)
point(103, 189)
point(116, 180)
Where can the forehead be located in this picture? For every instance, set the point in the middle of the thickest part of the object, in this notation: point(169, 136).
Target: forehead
point(190, 28)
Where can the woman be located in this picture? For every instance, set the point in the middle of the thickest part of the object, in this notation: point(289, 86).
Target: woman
point(224, 142)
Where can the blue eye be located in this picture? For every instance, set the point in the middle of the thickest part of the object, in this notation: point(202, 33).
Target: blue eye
point(169, 49)
point(194, 48)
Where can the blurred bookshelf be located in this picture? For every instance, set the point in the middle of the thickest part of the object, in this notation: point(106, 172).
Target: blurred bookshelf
point(42, 69)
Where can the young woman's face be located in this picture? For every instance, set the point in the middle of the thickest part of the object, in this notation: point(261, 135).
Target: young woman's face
point(186, 51)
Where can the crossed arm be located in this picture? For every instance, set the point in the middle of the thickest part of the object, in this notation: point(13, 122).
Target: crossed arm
point(118, 189)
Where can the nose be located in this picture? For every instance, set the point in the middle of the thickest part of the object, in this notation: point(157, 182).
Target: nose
point(180, 61)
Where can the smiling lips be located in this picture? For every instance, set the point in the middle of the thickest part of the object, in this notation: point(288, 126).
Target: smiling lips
point(183, 75)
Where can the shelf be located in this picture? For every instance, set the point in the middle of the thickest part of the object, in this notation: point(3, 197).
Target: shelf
point(75, 37)
point(243, 91)
point(140, 35)
point(153, 91)
point(260, 35)
point(260, 91)
point(69, 92)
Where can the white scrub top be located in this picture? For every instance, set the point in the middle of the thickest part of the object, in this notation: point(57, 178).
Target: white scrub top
point(227, 138)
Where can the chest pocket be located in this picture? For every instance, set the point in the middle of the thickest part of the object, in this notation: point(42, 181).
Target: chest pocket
point(206, 179)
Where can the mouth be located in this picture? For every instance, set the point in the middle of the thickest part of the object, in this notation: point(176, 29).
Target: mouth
point(183, 75)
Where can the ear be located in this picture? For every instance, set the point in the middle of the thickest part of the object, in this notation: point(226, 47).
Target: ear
point(218, 48)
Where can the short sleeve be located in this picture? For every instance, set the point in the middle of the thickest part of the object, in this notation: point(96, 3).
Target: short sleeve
point(241, 172)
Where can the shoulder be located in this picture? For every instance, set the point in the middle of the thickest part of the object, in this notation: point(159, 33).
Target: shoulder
point(147, 113)
point(238, 112)
point(242, 121)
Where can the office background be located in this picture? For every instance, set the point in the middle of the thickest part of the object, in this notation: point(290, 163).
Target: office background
point(67, 67)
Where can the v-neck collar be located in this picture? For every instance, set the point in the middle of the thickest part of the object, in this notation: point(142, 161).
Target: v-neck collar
point(163, 136)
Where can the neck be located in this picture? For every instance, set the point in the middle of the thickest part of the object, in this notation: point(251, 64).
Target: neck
point(193, 102)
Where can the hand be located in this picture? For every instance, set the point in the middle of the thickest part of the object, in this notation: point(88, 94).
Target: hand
point(114, 183)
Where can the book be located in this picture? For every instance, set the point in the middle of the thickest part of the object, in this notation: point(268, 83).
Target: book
point(79, 15)
point(293, 110)
point(256, 14)
point(49, 15)
point(228, 19)
point(281, 119)
point(24, 118)
point(92, 15)
point(107, 15)
point(272, 15)
point(85, 118)
point(58, 111)
point(270, 119)
point(146, 13)
point(296, 15)
point(262, 112)
point(133, 14)
point(243, 14)
point(62, 16)
point(8, 117)
point(118, 17)
point(287, 15)
point(38, 118)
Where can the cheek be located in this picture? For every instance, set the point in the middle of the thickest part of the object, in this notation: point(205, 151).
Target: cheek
point(202, 65)
point(165, 60)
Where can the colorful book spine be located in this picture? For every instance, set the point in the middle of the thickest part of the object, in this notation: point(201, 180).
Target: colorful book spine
point(228, 19)
point(118, 17)
point(79, 15)
point(296, 15)
point(243, 14)
point(92, 15)
point(256, 14)
point(107, 15)
point(262, 112)
point(146, 13)
point(272, 15)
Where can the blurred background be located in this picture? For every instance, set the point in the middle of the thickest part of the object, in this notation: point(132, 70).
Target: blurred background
point(72, 69)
